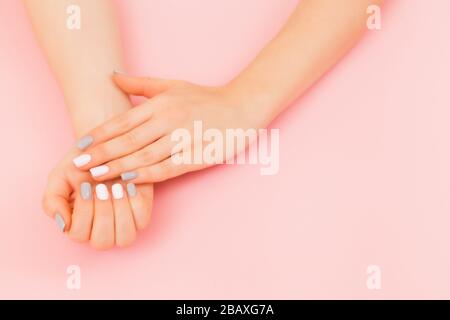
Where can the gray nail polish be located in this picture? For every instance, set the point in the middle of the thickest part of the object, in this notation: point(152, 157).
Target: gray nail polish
point(126, 176)
point(85, 142)
point(131, 189)
point(86, 191)
point(60, 222)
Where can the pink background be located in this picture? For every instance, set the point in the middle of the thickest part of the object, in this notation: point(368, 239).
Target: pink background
point(364, 169)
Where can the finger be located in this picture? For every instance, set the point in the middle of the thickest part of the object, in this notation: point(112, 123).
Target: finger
point(151, 154)
point(122, 146)
point(164, 170)
point(140, 86)
point(56, 201)
point(83, 214)
point(125, 229)
point(102, 236)
point(116, 126)
point(141, 202)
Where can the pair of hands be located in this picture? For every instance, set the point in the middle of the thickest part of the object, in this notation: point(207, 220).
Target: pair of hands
point(130, 152)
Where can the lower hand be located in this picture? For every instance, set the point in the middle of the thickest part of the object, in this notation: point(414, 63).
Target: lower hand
point(89, 212)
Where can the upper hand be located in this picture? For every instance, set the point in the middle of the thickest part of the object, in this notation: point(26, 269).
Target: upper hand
point(138, 144)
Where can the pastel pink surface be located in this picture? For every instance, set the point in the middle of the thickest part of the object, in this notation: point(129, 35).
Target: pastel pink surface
point(364, 169)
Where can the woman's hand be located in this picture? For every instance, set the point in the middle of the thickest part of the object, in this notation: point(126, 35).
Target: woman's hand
point(139, 144)
point(104, 214)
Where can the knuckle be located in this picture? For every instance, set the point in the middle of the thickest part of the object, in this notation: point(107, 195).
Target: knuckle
point(161, 99)
point(176, 114)
point(145, 156)
point(130, 138)
point(121, 123)
point(101, 131)
point(116, 166)
point(161, 172)
point(101, 152)
point(159, 102)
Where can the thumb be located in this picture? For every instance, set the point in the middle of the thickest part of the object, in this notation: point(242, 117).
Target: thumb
point(141, 86)
point(56, 201)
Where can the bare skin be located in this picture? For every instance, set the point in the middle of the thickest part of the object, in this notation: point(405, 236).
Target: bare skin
point(315, 38)
point(83, 66)
point(139, 142)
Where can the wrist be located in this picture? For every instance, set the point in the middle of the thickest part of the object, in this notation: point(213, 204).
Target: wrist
point(256, 104)
point(90, 111)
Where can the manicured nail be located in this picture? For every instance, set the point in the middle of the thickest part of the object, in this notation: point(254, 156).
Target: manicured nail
point(82, 160)
point(126, 176)
point(99, 171)
point(86, 191)
point(102, 192)
point(60, 222)
point(117, 191)
point(131, 189)
point(85, 142)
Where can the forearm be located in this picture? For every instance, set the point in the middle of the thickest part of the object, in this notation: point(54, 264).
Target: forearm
point(82, 60)
point(316, 36)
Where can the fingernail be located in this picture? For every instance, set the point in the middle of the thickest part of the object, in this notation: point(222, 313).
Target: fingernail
point(85, 142)
point(131, 189)
point(82, 160)
point(60, 222)
point(86, 191)
point(126, 176)
point(120, 73)
point(117, 191)
point(102, 192)
point(99, 171)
